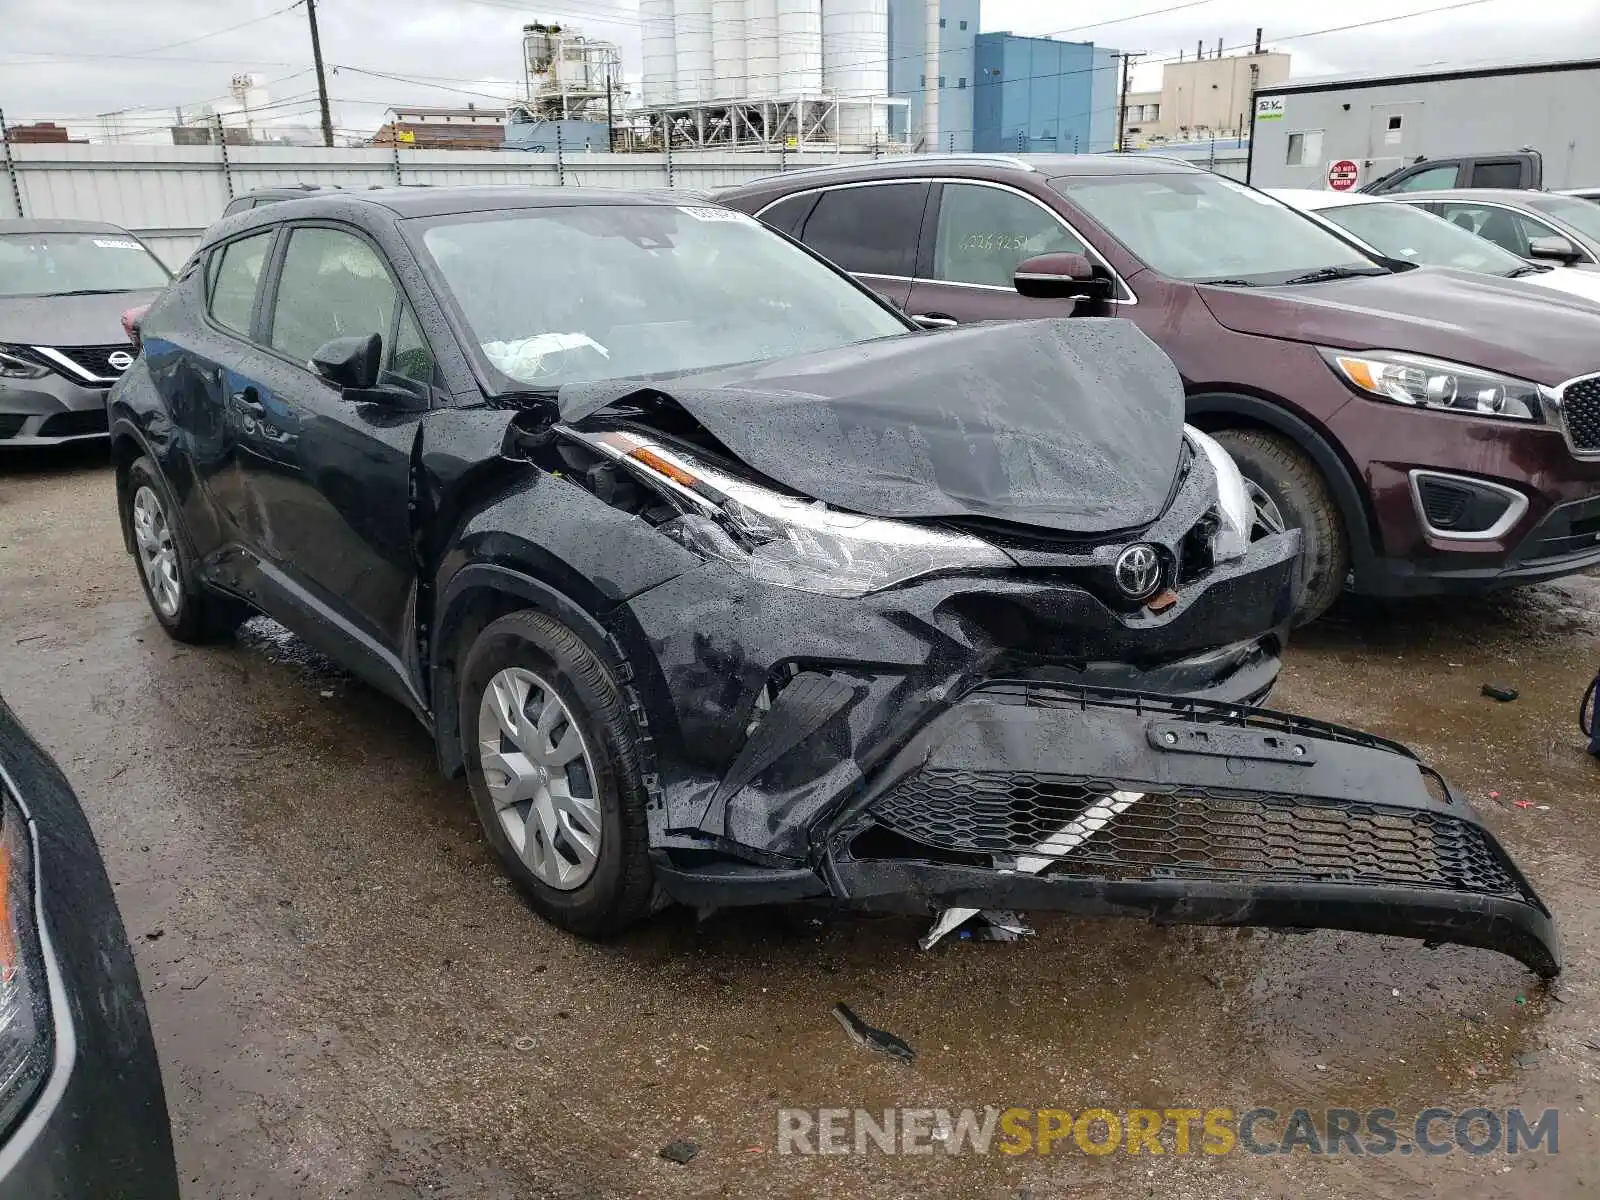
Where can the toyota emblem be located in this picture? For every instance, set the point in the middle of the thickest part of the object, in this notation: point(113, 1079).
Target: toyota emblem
point(1138, 571)
point(119, 360)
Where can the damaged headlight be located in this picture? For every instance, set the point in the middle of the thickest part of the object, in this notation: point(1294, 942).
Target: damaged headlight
point(1430, 383)
point(1236, 514)
point(789, 541)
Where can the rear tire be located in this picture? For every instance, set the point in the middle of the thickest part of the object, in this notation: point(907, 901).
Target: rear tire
point(1293, 483)
point(183, 606)
point(562, 800)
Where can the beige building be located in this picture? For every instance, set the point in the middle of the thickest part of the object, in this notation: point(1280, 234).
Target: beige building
point(1201, 97)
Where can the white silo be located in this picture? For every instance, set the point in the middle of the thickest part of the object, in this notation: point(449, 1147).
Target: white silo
point(691, 32)
point(659, 48)
point(855, 66)
point(800, 47)
point(728, 64)
point(761, 47)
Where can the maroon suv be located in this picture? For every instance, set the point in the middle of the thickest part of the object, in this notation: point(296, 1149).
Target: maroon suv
point(1429, 431)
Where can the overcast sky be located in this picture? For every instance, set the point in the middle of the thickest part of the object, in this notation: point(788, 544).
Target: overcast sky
point(75, 59)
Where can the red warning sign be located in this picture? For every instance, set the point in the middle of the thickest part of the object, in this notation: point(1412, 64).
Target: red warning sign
point(1342, 175)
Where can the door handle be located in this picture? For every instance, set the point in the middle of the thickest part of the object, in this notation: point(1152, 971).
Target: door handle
point(248, 402)
point(934, 320)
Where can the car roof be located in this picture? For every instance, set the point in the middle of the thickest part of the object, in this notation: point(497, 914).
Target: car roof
point(1049, 166)
point(58, 225)
point(1499, 195)
point(1317, 198)
point(401, 203)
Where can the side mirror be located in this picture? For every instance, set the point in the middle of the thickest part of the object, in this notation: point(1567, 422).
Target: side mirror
point(1557, 248)
point(1060, 277)
point(350, 363)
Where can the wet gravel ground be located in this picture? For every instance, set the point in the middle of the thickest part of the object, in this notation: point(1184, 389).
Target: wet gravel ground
point(350, 1002)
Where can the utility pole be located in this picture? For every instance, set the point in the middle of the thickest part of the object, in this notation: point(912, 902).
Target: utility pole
point(1122, 108)
point(322, 79)
point(611, 128)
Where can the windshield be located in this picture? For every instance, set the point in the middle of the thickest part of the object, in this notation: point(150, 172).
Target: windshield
point(54, 264)
point(1207, 229)
point(567, 295)
point(1401, 231)
point(1582, 215)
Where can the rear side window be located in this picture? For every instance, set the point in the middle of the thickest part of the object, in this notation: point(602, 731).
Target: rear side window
point(869, 230)
point(238, 206)
point(1496, 175)
point(786, 215)
point(332, 285)
point(231, 279)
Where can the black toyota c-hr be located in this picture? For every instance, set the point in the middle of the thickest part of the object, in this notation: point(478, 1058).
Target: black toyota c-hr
point(721, 582)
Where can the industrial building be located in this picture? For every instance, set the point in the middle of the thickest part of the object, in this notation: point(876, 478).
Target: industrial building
point(802, 74)
point(1203, 96)
point(1381, 122)
point(1039, 95)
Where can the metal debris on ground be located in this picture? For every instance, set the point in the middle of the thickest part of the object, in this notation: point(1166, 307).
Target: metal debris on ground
point(1503, 694)
point(977, 925)
point(874, 1039)
point(679, 1152)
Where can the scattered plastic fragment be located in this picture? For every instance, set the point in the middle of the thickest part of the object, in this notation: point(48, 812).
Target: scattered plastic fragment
point(1524, 803)
point(1494, 795)
point(874, 1039)
point(1503, 694)
point(678, 1152)
point(1522, 999)
point(1541, 808)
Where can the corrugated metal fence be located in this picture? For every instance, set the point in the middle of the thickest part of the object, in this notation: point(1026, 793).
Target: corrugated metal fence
point(169, 194)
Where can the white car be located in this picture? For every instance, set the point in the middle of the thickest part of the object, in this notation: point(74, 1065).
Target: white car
point(1400, 231)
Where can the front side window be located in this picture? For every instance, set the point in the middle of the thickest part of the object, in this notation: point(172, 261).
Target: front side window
point(409, 357)
point(572, 294)
point(1203, 228)
point(232, 275)
point(1582, 215)
point(76, 264)
point(985, 232)
point(1422, 181)
point(1510, 230)
point(333, 285)
point(869, 230)
point(1401, 231)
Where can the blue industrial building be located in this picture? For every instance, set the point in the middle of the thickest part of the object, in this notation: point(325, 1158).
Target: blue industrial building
point(998, 91)
point(1038, 95)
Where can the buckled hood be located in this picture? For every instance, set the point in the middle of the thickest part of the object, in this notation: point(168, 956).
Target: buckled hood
point(1072, 425)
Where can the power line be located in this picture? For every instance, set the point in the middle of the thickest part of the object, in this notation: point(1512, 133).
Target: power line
point(1153, 12)
point(153, 50)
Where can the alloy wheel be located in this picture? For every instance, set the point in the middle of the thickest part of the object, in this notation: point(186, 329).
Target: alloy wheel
point(1268, 517)
point(158, 555)
point(540, 776)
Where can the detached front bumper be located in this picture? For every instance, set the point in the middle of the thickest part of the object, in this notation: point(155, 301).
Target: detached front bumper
point(1104, 803)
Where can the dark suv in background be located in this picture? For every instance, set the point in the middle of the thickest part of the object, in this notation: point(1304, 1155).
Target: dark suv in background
point(1429, 431)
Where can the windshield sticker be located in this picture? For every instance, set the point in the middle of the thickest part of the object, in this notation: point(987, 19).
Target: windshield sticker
point(117, 244)
point(708, 213)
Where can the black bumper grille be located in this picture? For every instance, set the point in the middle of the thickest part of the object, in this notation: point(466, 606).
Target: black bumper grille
point(1191, 833)
point(96, 359)
point(71, 424)
point(1581, 402)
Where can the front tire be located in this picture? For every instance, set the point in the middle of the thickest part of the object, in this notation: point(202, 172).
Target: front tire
point(1291, 492)
point(180, 603)
point(552, 760)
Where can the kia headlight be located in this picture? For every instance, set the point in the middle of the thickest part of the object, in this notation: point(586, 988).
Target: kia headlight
point(787, 540)
point(1235, 513)
point(27, 1043)
point(1433, 383)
